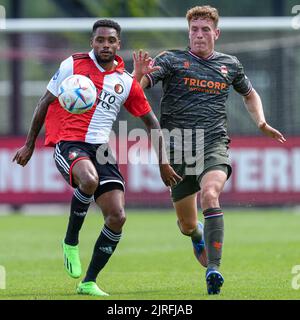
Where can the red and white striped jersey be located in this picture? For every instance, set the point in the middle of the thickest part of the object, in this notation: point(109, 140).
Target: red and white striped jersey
point(115, 89)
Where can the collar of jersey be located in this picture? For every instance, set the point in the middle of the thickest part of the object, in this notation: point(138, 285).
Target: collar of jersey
point(118, 61)
point(199, 58)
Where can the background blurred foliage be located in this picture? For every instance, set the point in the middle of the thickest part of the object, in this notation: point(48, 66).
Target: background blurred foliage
point(146, 8)
point(41, 53)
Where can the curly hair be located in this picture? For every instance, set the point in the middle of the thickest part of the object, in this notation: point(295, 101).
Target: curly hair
point(108, 24)
point(203, 12)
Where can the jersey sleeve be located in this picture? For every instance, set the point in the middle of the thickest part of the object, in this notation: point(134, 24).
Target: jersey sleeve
point(241, 83)
point(137, 103)
point(65, 70)
point(163, 60)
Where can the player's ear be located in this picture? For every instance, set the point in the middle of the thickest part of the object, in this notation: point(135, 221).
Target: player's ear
point(189, 32)
point(119, 44)
point(217, 33)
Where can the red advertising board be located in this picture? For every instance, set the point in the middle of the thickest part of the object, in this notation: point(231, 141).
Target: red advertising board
point(264, 173)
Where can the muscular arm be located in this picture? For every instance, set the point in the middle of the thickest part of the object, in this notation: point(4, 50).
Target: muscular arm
point(154, 130)
point(24, 154)
point(168, 175)
point(144, 82)
point(38, 118)
point(254, 106)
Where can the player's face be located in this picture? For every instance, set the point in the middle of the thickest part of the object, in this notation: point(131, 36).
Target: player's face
point(105, 43)
point(202, 35)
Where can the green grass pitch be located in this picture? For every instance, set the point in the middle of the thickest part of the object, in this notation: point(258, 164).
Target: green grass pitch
point(153, 261)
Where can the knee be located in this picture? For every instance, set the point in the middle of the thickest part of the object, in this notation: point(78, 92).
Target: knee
point(209, 196)
point(186, 227)
point(88, 183)
point(115, 219)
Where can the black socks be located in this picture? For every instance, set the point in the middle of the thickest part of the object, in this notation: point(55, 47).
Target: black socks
point(104, 248)
point(79, 207)
point(213, 236)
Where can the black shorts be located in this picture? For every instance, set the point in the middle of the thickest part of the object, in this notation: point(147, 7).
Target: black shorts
point(215, 158)
point(67, 153)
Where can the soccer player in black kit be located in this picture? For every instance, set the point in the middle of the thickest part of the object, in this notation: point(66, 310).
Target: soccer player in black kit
point(196, 85)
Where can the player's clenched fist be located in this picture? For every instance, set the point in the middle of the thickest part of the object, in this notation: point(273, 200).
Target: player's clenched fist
point(23, 155)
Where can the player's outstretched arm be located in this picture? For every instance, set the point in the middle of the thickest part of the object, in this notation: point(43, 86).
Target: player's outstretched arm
point(254, 106)
point(143, 64)
point(168, 175)
point(24, 154)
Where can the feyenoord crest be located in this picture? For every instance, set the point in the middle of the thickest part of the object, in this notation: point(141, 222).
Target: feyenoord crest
point(118, 88)
point(73, 154)
point(224, 70)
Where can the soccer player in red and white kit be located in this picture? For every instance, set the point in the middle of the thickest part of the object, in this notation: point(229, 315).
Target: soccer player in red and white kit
point(78, 137)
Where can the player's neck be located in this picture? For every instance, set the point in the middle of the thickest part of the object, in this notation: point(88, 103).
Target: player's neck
point(202, 55)
point(108, 66)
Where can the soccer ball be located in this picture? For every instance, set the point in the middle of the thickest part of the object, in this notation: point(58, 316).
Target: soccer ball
point(77, 94)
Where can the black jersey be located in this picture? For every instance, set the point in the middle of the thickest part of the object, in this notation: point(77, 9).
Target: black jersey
point(195, 90)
